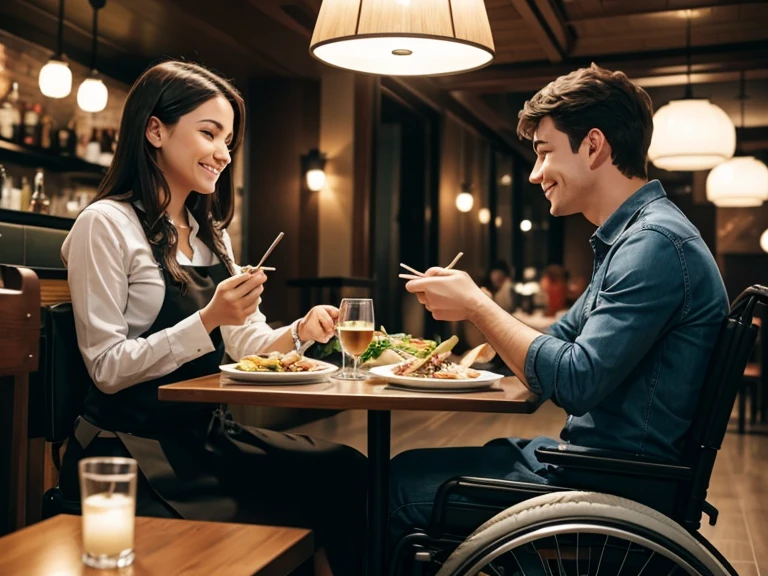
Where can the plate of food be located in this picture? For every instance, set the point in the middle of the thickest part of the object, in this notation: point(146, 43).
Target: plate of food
point(276, 368)
point(388, 348)
point(436, 372)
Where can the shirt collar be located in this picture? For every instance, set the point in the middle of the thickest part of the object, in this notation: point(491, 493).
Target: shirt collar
point(618, 221)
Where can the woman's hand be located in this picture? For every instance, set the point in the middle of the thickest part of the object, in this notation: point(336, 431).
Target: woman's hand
point(319, 324)
point(235, 299)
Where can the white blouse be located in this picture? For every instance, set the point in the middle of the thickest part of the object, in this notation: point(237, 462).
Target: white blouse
point(117, 290)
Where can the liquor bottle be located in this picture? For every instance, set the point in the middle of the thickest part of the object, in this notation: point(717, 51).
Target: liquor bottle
point(40, 203)
point(10, 118)
point(93, 149)
point(26, 194)
point(5, 193)
point(31, 120)
point(47, 133)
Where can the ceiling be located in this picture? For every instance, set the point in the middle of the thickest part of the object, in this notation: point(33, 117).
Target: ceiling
point(536, 41)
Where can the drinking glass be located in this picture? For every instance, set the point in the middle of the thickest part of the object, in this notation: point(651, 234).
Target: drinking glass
point(355, 328)
point(108, 492)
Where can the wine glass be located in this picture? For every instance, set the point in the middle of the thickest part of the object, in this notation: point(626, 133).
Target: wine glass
point(355, 328)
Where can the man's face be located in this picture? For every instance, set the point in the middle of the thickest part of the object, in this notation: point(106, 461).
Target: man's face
point(564, 176)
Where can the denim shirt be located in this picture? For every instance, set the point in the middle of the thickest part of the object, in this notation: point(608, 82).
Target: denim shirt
point(628, 359)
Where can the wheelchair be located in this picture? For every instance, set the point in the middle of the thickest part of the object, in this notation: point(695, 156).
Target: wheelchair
point(615, 514)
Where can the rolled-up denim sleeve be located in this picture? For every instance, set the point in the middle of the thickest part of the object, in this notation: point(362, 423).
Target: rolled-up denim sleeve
point(567, 328)
point(643, 292)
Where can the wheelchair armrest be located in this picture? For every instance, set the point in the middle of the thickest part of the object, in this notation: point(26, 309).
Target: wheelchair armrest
point(597, 460)
point(484, 491)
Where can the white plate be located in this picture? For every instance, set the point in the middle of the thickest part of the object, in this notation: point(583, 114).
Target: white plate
point(485, 380)
point(278, 378)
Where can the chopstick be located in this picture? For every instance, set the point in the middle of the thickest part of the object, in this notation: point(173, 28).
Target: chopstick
point(269, 250)
point(454, 261)
point(418, 274)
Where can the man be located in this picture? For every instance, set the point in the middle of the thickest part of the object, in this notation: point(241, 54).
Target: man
point(628, 359)
point(502, 285)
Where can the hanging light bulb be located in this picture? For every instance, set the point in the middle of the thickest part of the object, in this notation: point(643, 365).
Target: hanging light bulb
point(55, 77)
point(484, 215)
point(465, 200)
point(403, 37)
point(741, 181)
point(764, 241)
point(92, 96)
point(691, 134)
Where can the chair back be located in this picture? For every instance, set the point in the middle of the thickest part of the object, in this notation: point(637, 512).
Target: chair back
point(718, 394)
point(65, 379)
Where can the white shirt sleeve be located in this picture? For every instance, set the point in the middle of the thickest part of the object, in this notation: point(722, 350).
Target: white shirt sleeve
point(255, 335)
point(98, 274)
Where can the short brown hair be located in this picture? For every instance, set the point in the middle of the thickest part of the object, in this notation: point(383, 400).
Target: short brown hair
point(596, 98)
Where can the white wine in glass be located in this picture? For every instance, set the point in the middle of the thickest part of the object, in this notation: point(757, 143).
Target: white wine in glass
point(355, 328)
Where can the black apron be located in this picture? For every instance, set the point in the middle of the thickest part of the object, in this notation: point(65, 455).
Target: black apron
point(197, 463)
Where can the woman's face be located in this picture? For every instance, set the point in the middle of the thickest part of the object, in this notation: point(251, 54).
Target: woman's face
point(193, 152)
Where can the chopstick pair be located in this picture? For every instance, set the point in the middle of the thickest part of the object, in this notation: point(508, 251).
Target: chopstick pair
point(416, 274)
point(250, 269)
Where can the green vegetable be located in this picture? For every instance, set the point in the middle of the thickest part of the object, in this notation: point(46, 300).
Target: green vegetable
point(399, 342)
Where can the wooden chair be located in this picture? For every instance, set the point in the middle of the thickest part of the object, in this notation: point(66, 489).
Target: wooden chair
point(19, 342)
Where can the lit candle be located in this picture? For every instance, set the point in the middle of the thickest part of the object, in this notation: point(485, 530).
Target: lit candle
point(108, 521)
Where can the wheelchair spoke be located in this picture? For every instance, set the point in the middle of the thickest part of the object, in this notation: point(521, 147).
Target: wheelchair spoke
point(560, 568)
point(646, 563)
point(625, 558)
point(518, 563)
point(544, 565)
point(600, 562)
point(674, 569)
point(577, 554)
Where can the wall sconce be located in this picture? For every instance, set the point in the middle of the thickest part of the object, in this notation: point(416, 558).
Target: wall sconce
point(313, 168)
point(465, 200)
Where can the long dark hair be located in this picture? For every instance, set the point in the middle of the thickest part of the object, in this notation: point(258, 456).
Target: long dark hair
point(168, 91)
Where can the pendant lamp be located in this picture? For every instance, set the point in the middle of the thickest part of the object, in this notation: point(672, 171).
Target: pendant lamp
point(693, 133)
point(740, 182)
point(403, 37)
point(55, 77)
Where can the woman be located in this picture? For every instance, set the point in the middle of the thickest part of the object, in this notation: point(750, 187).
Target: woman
point(158, 299)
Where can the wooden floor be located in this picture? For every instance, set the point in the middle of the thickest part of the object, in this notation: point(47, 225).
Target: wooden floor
point(739, 484)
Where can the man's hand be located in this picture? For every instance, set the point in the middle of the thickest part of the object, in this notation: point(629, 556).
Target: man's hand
point(319, 324)
point(449, 294)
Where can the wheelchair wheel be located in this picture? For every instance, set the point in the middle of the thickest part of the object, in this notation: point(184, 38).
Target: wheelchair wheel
point(581, 534)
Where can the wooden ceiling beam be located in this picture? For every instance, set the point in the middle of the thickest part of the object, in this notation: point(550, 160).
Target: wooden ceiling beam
point(536, 21)
point(619, 10)
point(533, 76)
point(468, 109)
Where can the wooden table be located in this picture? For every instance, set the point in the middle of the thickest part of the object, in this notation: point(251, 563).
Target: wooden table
point(509, 396)
point(162, 546)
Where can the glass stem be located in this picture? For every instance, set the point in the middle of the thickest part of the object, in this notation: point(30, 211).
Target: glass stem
point(354, 369)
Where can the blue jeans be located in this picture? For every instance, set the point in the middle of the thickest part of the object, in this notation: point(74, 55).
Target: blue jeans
point(416, 475)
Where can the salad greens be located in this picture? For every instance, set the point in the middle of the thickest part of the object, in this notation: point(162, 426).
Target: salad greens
point(400, 342)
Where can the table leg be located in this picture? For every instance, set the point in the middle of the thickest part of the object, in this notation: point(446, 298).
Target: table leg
point(379, 425)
